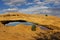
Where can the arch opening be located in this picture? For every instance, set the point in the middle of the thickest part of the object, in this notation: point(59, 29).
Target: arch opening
point(16, 22)
point(6, 22)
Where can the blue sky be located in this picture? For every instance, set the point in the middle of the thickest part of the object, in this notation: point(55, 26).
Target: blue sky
point(28, 6)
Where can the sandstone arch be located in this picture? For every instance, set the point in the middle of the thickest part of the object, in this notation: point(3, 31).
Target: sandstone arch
point(49, 21)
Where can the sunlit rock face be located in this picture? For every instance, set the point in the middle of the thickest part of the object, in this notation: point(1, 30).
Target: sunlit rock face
point(47, 27)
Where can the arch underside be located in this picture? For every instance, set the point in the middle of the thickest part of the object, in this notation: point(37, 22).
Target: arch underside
point(6, 22)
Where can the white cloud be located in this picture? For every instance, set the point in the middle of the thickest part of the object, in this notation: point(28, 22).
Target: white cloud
point(38, 2)
point(55, 1)
point(29, 3)
point(9, 10)
point(14, 2)
point(35, 9)
point(32, 9)
point(47, 1)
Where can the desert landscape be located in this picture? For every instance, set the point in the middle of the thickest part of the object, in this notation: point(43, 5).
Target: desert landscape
point(25, 32)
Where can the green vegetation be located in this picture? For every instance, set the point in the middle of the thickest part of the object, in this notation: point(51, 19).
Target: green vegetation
point(33, 27)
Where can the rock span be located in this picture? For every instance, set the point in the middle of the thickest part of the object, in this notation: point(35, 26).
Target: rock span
point(51, 22)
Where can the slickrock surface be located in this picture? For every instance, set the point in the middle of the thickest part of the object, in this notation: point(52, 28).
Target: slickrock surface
point(38, 19)
point(24, 32)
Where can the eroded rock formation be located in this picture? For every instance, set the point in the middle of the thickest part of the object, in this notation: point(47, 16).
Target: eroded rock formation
point(24, 32)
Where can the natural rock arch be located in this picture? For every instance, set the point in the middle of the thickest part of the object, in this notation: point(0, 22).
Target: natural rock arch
point(50, 21)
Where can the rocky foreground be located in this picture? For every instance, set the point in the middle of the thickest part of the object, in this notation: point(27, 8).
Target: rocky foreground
point(24, 32)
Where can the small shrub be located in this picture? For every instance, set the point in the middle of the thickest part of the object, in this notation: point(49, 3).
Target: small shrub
point(46, 15)
point(33, 28)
